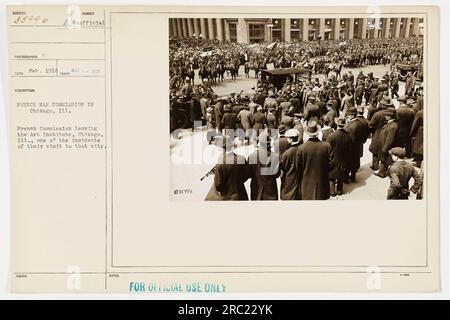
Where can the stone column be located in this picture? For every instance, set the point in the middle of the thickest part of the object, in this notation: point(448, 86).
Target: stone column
point(179, 28)
point(185, 28)
point(219, 29)
point(397, 27)
point(210, 29)
point(407, 27)
point(322, 28)
point(267, 33)
point(351, 29)
point(190, 28)
point(242, 34)
point(173, 25)
point(203, 28)
point(227, 31)
point(363, 28)
point(305, 29)
point(196, 29)
point(416, 27)
point(287, 29)
point(377, 28)
point(386, 27)
point(337, 28)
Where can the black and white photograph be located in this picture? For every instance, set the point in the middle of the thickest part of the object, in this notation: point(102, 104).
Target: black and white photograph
point(309, 108)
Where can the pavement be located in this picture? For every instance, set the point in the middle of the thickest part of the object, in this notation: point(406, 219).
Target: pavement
point(192, 157)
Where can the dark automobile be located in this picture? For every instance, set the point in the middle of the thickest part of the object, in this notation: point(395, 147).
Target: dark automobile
point(404, 69)
point(278, 77)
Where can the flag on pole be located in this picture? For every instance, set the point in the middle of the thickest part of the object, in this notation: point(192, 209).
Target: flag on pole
point(272, 46)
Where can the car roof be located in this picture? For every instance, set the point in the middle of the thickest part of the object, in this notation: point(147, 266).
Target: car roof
point(281, 71)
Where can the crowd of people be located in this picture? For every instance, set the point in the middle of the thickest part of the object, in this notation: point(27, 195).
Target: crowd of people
point(309, 134)
point(213, 59)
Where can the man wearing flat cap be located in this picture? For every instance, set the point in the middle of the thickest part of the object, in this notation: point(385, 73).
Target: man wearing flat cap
point(388, 140)
point(400, 173)
point(313, 165)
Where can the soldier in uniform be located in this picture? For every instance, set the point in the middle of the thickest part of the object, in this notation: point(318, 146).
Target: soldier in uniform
point(341, 146)
point(313, 166)
point(400, 173)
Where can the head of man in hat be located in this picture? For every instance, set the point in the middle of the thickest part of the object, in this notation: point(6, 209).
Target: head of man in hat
point(293, 136)
point(397, 153)
point(313, 129)
point(351, 114)
point(312, 97)
point(340, 122)
point(360, 111)
point(386, 102)
point(390, 114)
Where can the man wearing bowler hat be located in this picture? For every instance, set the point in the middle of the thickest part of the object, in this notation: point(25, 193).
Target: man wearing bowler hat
point(400, 173)
point(405, 117)
point(313, 165)
point(341, 145)
point(354, 128)
point(264, 170)
point(365, 130)
point(388, 140)
point(376, 124)
point(290, 188)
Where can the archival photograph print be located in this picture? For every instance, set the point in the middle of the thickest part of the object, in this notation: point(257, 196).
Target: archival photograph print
point(296, 108)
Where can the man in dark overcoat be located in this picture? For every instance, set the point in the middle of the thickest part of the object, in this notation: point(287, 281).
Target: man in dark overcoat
point(290, 187)
point(405, 118)
point(388, 140)
point(365, 130)
point(417, 138)
point(376, 124)
point(264, 168)
point(230, 174)
point(354, 128)
point(341, 146)
point(313, 166)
